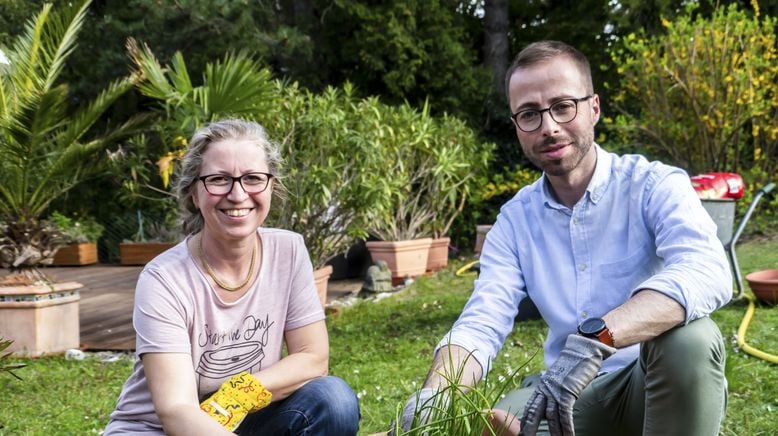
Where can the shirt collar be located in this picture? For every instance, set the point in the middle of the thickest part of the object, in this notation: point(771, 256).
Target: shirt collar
point(597, 185)
point(599, 182)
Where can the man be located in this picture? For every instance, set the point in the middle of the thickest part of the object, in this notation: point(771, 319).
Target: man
point(622, 262)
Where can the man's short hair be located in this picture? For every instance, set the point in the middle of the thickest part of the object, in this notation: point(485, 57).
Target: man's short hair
point(543, 51)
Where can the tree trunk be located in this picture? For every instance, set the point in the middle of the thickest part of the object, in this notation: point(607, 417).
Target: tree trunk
point(496, 50)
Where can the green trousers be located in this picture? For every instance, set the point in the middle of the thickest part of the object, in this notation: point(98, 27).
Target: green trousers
point(676, 387)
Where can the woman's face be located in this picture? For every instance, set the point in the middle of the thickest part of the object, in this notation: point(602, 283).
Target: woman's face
point(235, 215)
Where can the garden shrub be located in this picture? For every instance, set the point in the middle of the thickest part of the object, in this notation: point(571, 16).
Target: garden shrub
point(703, 96)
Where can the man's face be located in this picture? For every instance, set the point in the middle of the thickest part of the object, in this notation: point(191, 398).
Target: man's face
point(558, 149)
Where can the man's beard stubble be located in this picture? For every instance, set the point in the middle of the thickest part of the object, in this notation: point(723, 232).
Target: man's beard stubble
point(561, 167)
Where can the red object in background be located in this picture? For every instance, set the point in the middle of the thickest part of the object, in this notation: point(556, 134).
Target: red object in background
point(718, 185)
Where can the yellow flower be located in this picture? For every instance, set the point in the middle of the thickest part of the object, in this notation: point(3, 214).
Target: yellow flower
point(166, 165)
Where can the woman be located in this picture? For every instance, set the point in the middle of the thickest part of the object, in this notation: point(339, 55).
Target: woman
point(224, 301)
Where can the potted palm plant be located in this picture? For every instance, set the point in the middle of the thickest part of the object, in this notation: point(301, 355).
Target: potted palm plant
point(46, 148)
point(81, 237)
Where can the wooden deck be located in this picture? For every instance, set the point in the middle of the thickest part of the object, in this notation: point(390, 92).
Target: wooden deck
point(105, 309)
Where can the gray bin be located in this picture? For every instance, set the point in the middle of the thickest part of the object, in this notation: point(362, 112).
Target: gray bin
point(723, 213)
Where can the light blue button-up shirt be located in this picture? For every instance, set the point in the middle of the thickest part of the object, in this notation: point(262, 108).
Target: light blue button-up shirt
point(639, 225)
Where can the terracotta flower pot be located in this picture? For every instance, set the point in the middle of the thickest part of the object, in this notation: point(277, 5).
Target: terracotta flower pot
point(40, 319)
point(76, 255)
point(764, 284)
point(322, 276)
point(438, 257)
point(404, 258)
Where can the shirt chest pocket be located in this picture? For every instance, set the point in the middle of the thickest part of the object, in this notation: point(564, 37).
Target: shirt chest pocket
point(635, 266)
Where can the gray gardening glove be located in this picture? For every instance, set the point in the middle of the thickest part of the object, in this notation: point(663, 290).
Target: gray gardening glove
point(421, 403)
point(560, 386)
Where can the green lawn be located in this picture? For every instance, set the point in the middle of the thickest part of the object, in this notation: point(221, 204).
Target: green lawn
point(383, 349)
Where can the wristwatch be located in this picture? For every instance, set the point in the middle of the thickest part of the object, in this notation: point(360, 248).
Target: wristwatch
point(595, 328)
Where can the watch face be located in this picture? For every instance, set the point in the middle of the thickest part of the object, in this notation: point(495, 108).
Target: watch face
point(592, 326)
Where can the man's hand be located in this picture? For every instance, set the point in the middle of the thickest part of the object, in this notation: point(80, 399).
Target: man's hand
point(422, 405)
point(561, 385)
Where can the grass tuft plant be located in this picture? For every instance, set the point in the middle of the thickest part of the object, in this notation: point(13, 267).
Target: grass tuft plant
point(4, 366)
point(458, 409)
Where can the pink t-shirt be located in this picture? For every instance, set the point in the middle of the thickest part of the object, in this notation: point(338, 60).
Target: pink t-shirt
point(177, 311)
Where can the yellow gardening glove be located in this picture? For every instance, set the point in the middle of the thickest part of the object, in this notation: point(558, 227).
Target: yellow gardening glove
point(236, 398)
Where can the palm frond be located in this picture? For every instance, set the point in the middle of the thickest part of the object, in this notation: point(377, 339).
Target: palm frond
point(48, 114)
point(179, 75)
point(153, 81)
point(235, 85)
point(8, 367)
point(25, 57)
point(77, 161)
point(81, 122)
point(60, 38)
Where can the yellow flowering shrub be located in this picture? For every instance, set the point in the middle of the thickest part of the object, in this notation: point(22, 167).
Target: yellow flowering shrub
point(704, 95)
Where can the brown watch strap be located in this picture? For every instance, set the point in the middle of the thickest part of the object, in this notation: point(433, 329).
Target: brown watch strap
point(606, 337)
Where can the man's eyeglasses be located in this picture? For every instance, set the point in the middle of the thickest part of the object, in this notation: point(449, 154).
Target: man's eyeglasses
point(221, 184)
point(563, 111)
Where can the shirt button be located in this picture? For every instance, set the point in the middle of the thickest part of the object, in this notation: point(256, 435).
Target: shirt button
point(575, 221)
point(584, 315)
point(582, 267)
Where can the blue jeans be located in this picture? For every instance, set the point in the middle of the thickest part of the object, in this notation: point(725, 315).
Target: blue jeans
point(323, 406)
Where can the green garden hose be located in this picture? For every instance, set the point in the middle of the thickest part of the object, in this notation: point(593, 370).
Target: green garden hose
point(741, 334)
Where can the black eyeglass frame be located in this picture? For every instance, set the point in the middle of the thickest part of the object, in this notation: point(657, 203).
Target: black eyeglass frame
point(238, 179)
point(548, 109)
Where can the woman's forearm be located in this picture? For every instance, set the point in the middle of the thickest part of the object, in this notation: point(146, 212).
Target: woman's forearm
point(186, 419)
point(290, 373)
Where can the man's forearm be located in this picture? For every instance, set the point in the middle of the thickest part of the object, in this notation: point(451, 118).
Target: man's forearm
point(645, 316)
point(453, 365)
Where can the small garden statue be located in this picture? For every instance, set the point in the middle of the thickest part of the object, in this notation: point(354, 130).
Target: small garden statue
point(378, 278)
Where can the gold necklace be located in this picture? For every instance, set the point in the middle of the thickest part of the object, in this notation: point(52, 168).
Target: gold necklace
point(221, 284)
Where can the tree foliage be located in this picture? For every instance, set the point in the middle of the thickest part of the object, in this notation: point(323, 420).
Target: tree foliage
point(409, 50)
